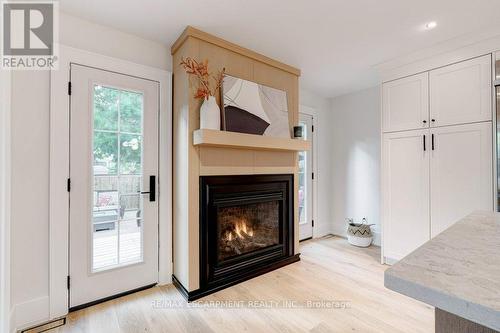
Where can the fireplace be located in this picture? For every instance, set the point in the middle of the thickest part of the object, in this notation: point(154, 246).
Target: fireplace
point(246, 228)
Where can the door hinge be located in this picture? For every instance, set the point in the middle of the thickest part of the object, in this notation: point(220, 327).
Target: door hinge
point(313, 175)
point(68, 281)
point(69, 88)
point(68, 185)
point(313, 223)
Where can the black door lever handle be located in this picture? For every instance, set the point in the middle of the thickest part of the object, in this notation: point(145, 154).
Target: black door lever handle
point(152, 189)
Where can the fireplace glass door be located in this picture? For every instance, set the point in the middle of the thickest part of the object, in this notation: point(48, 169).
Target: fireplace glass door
point(246, 228)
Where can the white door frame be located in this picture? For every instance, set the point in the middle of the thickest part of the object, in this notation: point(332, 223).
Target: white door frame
point(495, 56)
point(59, 167)
point(5, 93)
point(314, 114)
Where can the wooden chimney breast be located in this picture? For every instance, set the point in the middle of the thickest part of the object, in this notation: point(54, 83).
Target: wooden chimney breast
point(199, 154)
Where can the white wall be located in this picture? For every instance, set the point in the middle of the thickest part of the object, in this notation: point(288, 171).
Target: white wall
point(30, 183)
point(355, 150)
point(92, 37)
point(323, 177)
point(5, 92)
point(30, 160)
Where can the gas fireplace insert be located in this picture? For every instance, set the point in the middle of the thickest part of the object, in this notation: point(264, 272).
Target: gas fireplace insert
point(246, 228)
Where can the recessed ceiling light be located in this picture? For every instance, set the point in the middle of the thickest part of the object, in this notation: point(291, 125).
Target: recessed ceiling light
point(430, 25)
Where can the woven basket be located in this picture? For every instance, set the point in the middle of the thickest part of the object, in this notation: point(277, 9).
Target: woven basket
point(359, 234)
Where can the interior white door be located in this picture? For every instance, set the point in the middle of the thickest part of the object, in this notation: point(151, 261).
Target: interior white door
point(405, 103)
point(461, 173)
point(405, 192)
point(305, 181)
point(113, 157)
point(461, 93)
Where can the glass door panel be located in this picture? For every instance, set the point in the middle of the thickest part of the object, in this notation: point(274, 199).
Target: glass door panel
point(117, 238)
point(305, 181)
point(303, 157)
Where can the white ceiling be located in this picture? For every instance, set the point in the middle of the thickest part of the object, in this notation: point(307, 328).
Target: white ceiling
point(336, 43)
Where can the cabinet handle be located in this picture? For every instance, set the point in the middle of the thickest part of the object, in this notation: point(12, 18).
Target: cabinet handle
point(433, 120)
point(424, 141)
point(432, 141)
point(424, 121)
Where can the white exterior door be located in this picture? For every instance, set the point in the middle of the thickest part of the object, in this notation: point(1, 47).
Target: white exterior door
point(405, 186)
point(113, 157)
point(461, 173)
point(406, 103)
point(461, 93)
point(305, 181)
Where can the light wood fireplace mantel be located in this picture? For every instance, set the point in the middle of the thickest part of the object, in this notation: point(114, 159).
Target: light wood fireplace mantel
point(223, 139)
point(217, 153)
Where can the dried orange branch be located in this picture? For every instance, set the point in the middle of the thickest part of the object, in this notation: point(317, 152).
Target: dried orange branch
point(201, 73)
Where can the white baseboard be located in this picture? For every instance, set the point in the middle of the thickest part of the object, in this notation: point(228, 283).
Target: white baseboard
point(30, 313)
point(165, 277)
point(321, 230)
point(377, 235)
point(377, 238)
point(11, 325)
point(339, 232)
point(390, 261)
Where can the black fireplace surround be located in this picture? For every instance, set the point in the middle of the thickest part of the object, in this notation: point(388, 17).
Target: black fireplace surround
point(246, 229)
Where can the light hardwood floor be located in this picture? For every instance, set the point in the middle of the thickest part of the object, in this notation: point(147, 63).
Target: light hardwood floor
point(329, 270)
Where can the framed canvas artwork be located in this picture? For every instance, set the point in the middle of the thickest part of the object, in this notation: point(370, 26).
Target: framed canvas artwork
point(253, 108)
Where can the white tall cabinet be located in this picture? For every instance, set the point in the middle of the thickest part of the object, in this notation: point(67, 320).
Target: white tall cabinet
point(437, 152)
point(461, 173)
point(405, 178)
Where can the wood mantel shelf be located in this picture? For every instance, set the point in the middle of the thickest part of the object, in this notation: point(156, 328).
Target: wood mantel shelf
point(214, 138)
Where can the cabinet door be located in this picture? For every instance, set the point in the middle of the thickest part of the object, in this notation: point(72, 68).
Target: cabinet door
point(406, 103)
point(405, 192)
point(461, 93)
point(461, 173)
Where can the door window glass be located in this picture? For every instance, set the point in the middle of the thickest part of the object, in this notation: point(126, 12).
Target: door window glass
point(117, 232)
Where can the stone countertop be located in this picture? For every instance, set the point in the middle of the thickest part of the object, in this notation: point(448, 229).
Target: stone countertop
point(457, 271)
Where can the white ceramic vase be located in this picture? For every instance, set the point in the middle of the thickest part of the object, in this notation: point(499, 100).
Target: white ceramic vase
point(210, 114)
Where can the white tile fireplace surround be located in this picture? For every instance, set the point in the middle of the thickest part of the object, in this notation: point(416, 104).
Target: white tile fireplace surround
point(206, 162)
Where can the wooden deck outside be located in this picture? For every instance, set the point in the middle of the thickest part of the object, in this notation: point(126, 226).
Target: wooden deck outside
point(113, 247)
